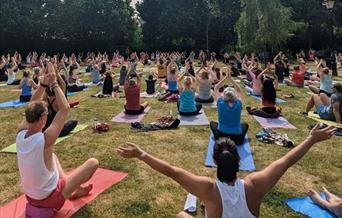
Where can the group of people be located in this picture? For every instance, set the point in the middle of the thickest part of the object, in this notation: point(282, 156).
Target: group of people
point(46, 185)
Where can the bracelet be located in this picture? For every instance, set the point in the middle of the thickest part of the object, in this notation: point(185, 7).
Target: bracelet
point(54, 86)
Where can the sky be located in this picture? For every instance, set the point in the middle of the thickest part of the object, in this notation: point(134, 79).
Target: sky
point(134, 2)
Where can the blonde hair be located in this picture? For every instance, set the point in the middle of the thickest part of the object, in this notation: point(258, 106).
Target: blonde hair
point(187, 81)
point(229, 95)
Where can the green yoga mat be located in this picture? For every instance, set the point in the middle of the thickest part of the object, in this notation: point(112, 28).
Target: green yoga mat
point(315, 117)
point(13, 149)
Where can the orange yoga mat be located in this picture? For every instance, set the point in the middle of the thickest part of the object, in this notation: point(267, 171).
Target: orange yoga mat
point(101, 180)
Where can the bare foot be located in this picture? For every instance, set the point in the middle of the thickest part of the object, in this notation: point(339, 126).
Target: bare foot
point(81, 192)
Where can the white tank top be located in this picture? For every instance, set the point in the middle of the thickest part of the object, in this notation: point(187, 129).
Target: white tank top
point(36, 180)
point(233, 198)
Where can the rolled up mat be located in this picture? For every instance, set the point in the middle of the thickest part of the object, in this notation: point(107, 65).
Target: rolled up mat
point(190, 203)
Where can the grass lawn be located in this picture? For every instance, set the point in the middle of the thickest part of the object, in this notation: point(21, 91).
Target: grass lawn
point(146, 193)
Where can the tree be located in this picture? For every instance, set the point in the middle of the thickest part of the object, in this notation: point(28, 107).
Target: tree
point(187, 24)
point(69, 25)
point(264, 25)
point(318, 22)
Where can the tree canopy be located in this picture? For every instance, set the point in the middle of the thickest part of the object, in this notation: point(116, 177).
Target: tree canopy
point(106, 25)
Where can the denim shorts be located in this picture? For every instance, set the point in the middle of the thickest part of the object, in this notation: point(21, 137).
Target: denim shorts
point(323, 112)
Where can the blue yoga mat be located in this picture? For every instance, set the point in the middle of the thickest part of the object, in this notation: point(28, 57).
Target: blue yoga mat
point(70, 93)
point(15, 103)
point(307, 207)
point(246, 158)
point(278, 101)
point(73, 93)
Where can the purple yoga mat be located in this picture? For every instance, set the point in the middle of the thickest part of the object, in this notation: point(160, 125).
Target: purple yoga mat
point(125, 118)
point(274, 123)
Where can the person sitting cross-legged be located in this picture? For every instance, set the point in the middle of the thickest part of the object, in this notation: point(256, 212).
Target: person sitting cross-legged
point(42, 177)
point(328, 108)
point(187, 105)
point(229, 196)
point(229, 108)
point(132, 92)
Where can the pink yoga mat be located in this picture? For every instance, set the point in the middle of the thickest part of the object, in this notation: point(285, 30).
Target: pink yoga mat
point(102, 180)
point(274, 123)
point(125, 118)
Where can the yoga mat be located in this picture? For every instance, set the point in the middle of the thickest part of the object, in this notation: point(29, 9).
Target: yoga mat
point(97, 95)
point(70, 94)
point(73, 93)
point(278, 100)
point(101, 180)
point(198, 120)
point(190, 203)
point(316, 117)
point(306, 206)
point(125, 118)
point(15, 103)
point(210, 105)
point(145, 95)
point(274, 123)
point(91, 84)
point(13, 147)
point(245, 153)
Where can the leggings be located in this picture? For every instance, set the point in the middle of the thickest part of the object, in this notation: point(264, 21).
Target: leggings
point(25, 98)
point(198, 108)
point(76, 88)
point(238, 139)
point(205, 101)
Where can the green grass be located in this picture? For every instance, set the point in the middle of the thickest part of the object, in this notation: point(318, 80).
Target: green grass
point(145, 193)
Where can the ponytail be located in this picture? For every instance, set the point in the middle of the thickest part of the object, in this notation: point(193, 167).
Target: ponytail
point(227, 167)
point(227, 160)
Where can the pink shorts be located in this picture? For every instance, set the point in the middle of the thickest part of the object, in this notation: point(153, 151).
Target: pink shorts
point(56, 200)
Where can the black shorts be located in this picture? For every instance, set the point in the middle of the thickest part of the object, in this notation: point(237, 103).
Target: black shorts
point(322, 91)
point(135, 112)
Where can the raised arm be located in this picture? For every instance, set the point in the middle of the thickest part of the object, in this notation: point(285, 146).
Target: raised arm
point(218, 86)
point(53, 131)
point(127, 75)
point(197, 185)
point(236, 86)
point(260, 183)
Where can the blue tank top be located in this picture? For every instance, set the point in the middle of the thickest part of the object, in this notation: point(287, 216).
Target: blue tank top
point(26, 89)
point(187, 102)
point(172, 85)
point(326, 84)
point(229, 117)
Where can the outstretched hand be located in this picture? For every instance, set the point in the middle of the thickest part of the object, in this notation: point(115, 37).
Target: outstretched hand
point(132, 151)
point(318, 135)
